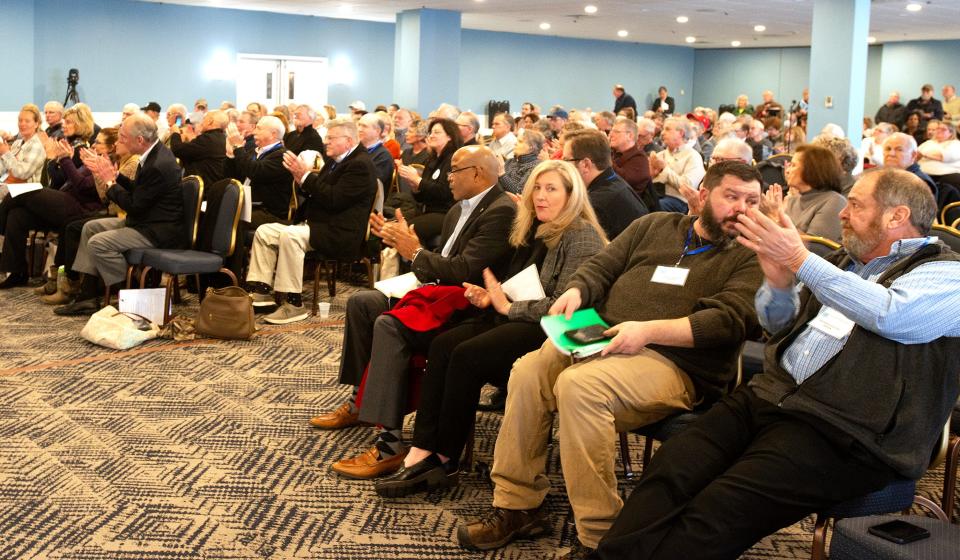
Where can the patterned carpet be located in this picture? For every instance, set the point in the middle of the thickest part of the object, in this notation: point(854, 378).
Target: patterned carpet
point(200, 450)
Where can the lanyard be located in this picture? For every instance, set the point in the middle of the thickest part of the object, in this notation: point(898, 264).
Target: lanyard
point(686, 247)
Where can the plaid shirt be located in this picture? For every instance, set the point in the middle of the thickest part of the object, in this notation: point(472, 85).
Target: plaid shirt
point(24, 160)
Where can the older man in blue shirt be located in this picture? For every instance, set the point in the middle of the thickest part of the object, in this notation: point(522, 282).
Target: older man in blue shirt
point(860, 374)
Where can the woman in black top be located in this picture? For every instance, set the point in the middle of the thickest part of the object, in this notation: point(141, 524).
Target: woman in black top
point(432, 190)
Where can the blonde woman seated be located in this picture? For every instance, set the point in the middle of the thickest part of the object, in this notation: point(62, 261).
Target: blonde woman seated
point(556, 229)
point(940, 155)
point(22, 161)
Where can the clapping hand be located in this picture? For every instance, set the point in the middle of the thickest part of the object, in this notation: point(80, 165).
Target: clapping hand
point(297, 167)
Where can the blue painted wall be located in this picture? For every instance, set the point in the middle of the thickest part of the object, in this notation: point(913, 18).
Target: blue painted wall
point(572, 72)
point(123, 54)
point(907, 66)
point(723, 74)
point(139, 52)
point(18, 39)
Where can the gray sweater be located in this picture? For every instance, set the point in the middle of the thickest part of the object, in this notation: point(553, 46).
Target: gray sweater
point(816, 213)
point(578, 243)
point(717, 297)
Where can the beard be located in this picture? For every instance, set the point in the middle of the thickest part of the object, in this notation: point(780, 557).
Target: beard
point(858, 245)
point(714, 228)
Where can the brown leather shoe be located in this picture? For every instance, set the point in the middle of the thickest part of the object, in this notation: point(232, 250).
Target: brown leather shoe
point(502, 526)
point(369, 464)
point(339, 418)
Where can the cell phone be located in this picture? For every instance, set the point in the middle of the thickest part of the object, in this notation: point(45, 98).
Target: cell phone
point(899, 532)
point(179, 120)
point(586, 335)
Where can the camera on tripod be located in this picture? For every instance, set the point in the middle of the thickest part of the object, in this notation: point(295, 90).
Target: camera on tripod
point(73, 78)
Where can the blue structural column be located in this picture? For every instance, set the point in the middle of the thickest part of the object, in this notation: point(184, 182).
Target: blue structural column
point(426, 68)
point(838, 65)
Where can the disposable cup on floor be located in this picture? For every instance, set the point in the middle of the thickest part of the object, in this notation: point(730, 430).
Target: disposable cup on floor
point(324, 309)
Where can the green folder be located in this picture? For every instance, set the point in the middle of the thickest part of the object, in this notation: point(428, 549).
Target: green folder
point(556, 325)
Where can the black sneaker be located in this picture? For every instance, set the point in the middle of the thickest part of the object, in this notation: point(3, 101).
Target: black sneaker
point(14, 280)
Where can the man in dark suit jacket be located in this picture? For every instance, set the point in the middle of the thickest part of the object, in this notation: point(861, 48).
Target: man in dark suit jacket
point(305, 137)
point(663, 104)
point(617, 205)
point(153, 203)
point(622, 99)
point(370, 128)
point(271, 185)
point(331, 220)
point(475, 236)
point(204, 155)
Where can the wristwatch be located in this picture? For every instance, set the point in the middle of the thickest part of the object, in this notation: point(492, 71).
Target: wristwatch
point(415, 254)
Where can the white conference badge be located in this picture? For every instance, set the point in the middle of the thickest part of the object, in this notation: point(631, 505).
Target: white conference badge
point(436, 174)
point(832, 323)
point(673, 275)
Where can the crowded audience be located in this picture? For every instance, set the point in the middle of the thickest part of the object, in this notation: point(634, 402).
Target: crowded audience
point(666, 225)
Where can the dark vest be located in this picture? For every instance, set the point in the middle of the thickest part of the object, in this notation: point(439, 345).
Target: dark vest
point(891, 398)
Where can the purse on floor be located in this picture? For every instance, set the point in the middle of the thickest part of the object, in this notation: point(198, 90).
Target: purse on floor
point(226, 313)
point(120, 331)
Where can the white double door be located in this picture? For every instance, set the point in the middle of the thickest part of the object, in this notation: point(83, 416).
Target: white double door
point(279, 80)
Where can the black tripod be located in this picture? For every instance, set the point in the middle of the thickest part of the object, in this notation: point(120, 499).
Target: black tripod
point(73, 78)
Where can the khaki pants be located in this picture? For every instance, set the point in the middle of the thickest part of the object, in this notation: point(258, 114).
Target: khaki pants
point(596, 399)
point(279, 247)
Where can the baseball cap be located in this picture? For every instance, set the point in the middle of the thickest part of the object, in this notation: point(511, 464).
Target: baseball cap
point(152, 106)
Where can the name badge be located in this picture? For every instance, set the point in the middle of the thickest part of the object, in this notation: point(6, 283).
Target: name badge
point(832, 323)
point(673, 275)
point(436, 174)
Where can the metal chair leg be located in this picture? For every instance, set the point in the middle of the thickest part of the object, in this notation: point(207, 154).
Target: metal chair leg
point(647, 452)
point(316, 288)
point(819, 538)
point(625, 456)
point(950, 477)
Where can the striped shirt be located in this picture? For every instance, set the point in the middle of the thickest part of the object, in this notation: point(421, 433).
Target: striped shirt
point(24, 160)
point(918, 307)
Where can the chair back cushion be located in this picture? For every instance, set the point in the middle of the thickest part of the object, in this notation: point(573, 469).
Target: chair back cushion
point(223, 240)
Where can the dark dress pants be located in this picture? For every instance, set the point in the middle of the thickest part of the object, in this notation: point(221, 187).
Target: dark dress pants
point(461, 360)
point(743, 471)
point(42, 209)
point(428, 226)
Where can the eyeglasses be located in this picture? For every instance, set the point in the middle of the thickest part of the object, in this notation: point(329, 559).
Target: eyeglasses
point(573, 160)
point(332, 137)
point(458, 170)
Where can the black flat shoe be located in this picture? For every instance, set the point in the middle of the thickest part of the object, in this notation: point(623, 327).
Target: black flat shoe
point(426, 475)
point(14, 280)
point(79, 307)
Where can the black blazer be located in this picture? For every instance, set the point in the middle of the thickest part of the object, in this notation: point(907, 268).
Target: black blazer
point(483, 242)
point(338, 203)
point(671, 104)
point(203, 156)
point(383, 162)
point(152, 200)
point(617, 205)
point(270, 182)
point(434, 192)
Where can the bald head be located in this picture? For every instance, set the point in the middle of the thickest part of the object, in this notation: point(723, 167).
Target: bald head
point(473, 169)
point(215, 120)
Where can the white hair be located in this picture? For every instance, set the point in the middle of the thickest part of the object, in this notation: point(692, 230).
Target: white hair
point(55, 106)
point(274, 124)
point(834, 130)
point(734, 147)
point(131, 108)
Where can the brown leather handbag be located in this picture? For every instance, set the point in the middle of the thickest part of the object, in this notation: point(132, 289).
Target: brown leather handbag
point(226, 313)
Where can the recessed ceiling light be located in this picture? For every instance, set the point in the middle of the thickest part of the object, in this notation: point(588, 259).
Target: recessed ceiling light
point(622, 33)
point(759, 28)
point(871, 39)
point(691, 39)
point(544, 26)
point(590, 9)
point(914, 7)
point(734, 43)
point(682, 19)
